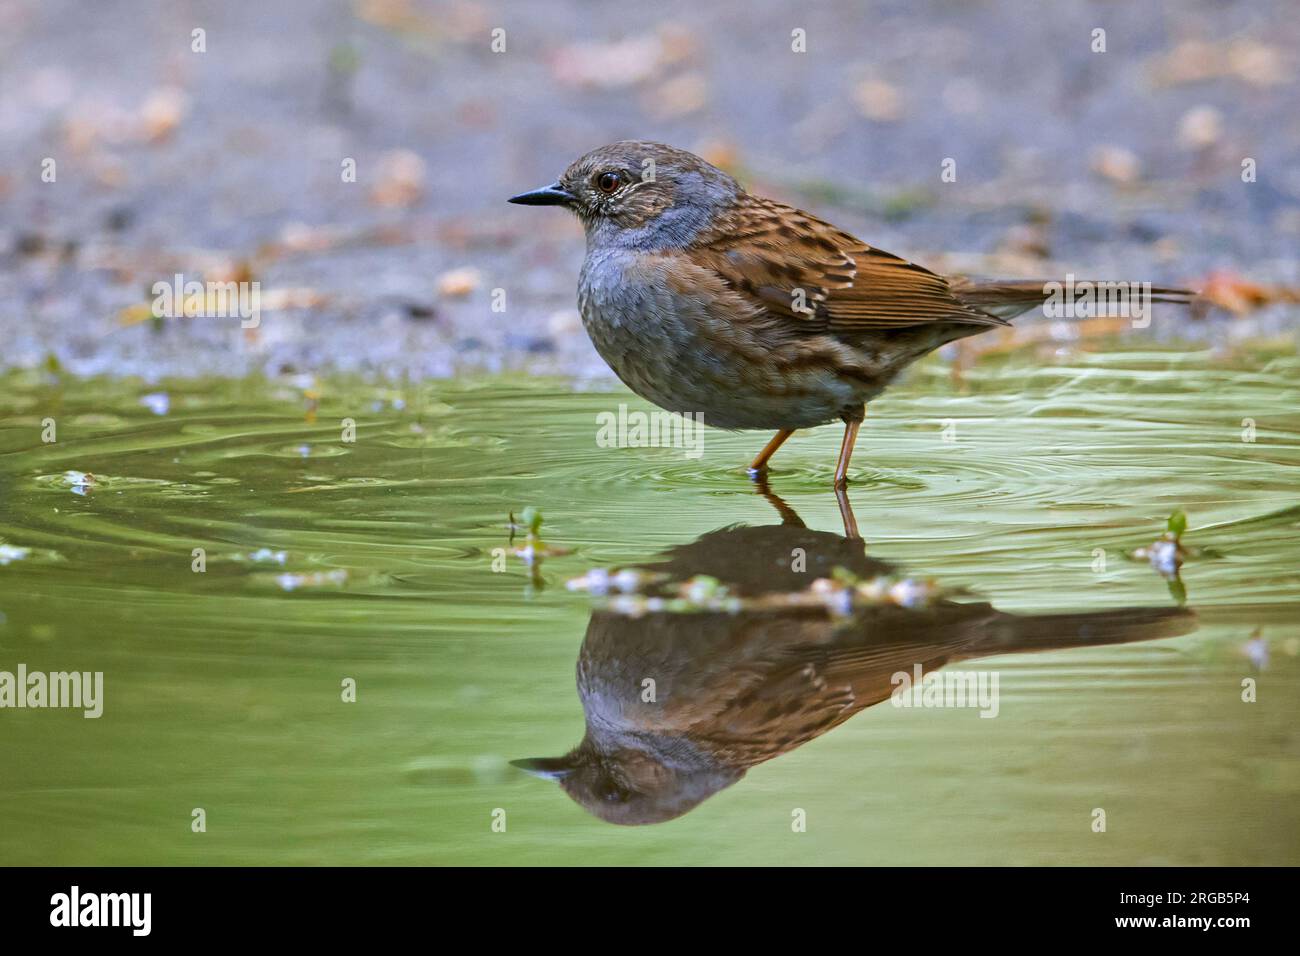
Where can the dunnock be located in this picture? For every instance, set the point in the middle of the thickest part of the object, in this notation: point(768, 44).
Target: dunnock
point(704, 298)
point(735, 689)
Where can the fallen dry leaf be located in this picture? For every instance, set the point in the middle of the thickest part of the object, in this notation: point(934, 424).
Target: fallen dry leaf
point(720, 152)
point(1239, 295)
point(458, 283)
point(1116, 163)
point(1196, 61)
point(399, 179)
point(680, 96)
point(622, 63)
point(878, 101)
point(162, 113)
point(1200, 127)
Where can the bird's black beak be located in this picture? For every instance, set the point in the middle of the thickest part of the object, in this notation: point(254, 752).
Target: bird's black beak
point(552, 195)
point(548, 768)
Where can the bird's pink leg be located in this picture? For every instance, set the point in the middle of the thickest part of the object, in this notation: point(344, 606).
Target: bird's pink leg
point(759, 465)
point(846, 452)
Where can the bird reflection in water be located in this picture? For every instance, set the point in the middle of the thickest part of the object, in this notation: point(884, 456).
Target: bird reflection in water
point(735, 687)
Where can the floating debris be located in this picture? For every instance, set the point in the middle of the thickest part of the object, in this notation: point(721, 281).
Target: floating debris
point(703, 589)
point(159, 403)
point(311, 405)
point(700, 593)
point(1166, 553)
point(534, 548)
point(11, 552)
point(844, 591)
point(81, 482)
point(634, 593)
point(1256, 649)
point(314, 579)
point(600, 581)
point(637, 605)
point(267, 556)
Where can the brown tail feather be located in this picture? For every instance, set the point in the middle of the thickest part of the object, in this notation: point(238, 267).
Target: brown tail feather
point(1020, 633)
point(1010, 297)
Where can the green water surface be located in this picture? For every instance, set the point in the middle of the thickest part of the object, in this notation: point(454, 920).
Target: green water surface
point(1022, 486)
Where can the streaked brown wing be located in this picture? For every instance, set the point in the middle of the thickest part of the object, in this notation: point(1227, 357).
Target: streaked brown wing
point(768, 251)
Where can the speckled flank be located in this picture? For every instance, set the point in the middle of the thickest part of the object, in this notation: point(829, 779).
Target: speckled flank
point(686, 354)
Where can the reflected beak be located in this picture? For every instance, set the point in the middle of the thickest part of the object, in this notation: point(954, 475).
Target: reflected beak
point(548, 768)
point(552, 195)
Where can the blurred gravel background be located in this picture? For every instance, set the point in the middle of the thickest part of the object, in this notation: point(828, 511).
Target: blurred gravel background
point(227, 163)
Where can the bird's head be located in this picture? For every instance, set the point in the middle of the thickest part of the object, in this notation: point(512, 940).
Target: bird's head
point(629, 786)
point(639, 194)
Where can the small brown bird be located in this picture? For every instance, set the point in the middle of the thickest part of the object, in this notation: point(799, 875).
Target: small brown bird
point(735, 689)
point(706, 299)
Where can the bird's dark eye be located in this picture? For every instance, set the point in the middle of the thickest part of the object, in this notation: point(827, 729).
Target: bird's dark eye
point(608, 182)
point(613, 794)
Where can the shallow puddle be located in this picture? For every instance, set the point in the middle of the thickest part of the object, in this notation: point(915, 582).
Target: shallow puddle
point(1009, 501)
